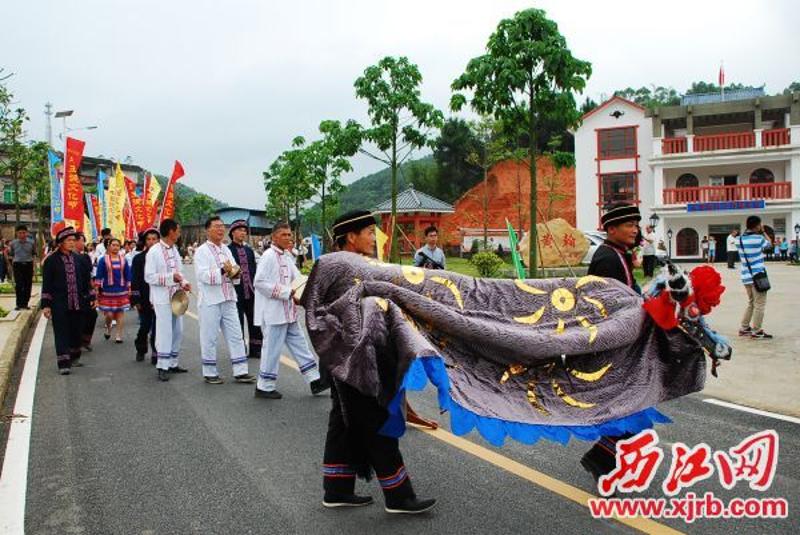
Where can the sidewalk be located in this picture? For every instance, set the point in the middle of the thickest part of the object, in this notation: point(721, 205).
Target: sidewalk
point(764, 374)
point(13, 329)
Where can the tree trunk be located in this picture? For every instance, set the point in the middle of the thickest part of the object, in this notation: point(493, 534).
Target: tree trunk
point(485, 208)
point(394, 255)
point(533, 242)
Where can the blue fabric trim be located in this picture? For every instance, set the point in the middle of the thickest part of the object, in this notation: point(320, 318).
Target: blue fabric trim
point(494, 430)
point(239, 360)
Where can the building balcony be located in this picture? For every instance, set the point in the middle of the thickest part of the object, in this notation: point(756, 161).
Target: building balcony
point(730, 141)
point(739, 192)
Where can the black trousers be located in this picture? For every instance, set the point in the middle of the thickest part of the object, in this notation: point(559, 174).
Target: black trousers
point(731, 259)
point(245, 308)
point(67, 326)
point(649, 265)
point(23, 279)
point(347, 447)
point(87, 329)
point(147, 328)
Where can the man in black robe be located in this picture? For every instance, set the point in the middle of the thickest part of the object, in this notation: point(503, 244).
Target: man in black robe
point(66, 295)
point(245, 292)
point(140, 297)
point(353, 445)
point(613, 259)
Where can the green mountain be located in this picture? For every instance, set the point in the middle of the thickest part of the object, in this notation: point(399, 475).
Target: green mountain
point(371, 190)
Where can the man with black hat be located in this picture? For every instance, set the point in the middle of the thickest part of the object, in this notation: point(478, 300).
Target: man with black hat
point(66, 294)
point(245, 291)
point(613, 259)
point(90, 313)
point(140, 297)
point(353, 445)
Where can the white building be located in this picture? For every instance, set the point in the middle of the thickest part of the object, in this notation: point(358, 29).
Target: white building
point(702, 167)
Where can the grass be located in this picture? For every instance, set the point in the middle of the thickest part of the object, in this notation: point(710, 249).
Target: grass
point(3, 312)
point(6, 288)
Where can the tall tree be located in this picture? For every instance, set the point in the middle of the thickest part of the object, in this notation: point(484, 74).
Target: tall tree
point(490, 149)
point(527, 77)
point(16, 154)
point(455, 143)
point(401, 121)
point(35, 184)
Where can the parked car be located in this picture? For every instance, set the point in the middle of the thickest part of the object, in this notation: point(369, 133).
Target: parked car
point(596, 237)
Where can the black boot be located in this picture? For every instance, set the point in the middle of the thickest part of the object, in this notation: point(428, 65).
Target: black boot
point(345, 500)
point(139, 357)
point(318, 386)
point(410, 506)
point(163, 375)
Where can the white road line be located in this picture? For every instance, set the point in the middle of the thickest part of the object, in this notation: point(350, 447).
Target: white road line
point(751, 410)
point(14, 479)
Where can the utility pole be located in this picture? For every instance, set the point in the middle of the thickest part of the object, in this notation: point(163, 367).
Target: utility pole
point(48, 112)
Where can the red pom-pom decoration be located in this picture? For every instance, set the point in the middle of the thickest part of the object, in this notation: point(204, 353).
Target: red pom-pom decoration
point(706, 287)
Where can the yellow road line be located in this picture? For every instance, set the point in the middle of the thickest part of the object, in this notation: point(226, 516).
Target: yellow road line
point(511, 466)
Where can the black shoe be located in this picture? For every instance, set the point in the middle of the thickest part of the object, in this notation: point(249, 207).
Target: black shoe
point(139, 357)
point(87, 348)
point(17, 308)
point(268, 394)
point(153, 361)
point(598, 462)
point(760, 335)
point(319, 386)
point(345, 500)
point(245, 378)
point(77, 364)
point(411, 506)
point(63, 371)
point(163, 375)
point(214, 380)
point(177, 369)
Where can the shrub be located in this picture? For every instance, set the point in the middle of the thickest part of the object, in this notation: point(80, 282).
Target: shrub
point(476, 246)
point(487, 263)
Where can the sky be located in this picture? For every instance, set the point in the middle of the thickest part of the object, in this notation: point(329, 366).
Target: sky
point(225, 86)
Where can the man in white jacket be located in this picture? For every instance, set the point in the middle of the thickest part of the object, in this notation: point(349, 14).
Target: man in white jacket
point(275, 309)
point(215, 269)
point(162, 272)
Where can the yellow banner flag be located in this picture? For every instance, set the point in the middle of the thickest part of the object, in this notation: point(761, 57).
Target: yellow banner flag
point(116, 198)
point(153, 191)
point(381, 238)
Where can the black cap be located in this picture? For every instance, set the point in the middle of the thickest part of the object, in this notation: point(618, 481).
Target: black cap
point(620, 213)
point(353, 221)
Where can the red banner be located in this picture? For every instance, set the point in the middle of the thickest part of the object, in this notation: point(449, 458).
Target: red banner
point(168, 208)
point(96, 211)
point(73, 189)
point(137, 207)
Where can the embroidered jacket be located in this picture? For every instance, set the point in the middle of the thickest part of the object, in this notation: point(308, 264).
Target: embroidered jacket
point(274, 276)
point(246, 258)
point(214, 287)
point(66, 282)
point(161, 264)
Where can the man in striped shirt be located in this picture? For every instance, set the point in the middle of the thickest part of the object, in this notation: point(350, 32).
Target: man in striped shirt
point(751, 247)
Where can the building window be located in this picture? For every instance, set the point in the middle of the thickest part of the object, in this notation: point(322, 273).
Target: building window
point(616, 143)
point(687, 180)
point(8, 194)
point(687, 242)
point(762, 176)
point(617, 187)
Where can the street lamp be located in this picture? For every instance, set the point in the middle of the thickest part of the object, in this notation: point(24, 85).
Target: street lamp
point(68, 130)
point(654, 219)
point(797, 242)
point(669, 239)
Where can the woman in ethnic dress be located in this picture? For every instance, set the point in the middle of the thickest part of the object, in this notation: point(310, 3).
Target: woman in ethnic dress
point(113, 280)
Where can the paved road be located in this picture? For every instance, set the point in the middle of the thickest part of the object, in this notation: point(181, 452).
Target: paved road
point(115, 451)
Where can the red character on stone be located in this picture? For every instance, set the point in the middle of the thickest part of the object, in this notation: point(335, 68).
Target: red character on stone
point(688, 467)
point(637, 458)
point(754, 459)
point(568, 240)
point(547, 240)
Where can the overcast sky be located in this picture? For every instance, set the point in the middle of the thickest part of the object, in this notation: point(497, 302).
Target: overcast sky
point(224, 86)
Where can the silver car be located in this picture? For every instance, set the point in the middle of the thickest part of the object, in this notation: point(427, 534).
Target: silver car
point(596, 237)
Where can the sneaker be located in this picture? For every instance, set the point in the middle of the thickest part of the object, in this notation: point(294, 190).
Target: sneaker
point(345, 500)
point(268, 394)
point(63, 371)
point(163, 375)
point(214, 380)
point(760, 335)
point(177, 369)
point(318, 386)
point(411, 506)
point(745, 331)
point(245, 378)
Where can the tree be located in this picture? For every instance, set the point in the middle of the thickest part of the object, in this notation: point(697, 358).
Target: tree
point(14, 153)
point(196, 209)
point(794, 87)
point(328, 158)
point(651, 98)
point(490, 149)
point(289, 182)
point(35, 182)
point(401, 121)
point(455, 143)
point(526, 78)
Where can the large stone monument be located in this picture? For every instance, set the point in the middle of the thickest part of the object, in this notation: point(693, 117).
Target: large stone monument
point(560, 244)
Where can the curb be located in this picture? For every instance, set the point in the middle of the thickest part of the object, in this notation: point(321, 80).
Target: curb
point(11, 349)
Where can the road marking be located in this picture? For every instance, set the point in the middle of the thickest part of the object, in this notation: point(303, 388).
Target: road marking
point(14, 479)
point(751, 410)
point(525, 472)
